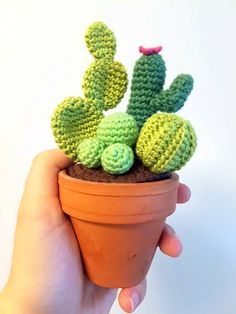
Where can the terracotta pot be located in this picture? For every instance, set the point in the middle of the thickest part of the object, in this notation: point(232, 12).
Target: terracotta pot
point(117, 225)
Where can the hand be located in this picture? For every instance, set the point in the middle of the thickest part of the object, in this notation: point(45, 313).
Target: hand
point(47, 274)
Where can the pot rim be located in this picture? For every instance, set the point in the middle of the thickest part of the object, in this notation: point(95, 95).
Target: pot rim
point(110, 189)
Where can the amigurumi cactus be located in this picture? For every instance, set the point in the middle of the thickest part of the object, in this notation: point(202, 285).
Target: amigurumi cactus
point(166, 142)
point(147, 94)
point(118, 127)
point(90, 151)
point(117, 158)
point(104, 85)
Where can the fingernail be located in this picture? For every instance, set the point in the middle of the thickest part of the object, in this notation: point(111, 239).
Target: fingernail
point(134, 300)
point(171, 230)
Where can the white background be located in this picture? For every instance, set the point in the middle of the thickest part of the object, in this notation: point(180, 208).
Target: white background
point(42, 60)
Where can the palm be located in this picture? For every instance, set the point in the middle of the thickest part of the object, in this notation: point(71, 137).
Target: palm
point(55, 253)
point(47, 272)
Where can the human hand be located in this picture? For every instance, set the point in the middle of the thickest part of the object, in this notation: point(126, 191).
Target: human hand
point(47, 274)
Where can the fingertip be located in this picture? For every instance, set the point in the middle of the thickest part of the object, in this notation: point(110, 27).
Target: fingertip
point(184, 193)
point(170, 243)
point(130, 298)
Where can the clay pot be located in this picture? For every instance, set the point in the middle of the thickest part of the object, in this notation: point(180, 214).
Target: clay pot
point(117, 225)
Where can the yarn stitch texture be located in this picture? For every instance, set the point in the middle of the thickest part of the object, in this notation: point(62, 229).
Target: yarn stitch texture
point(117, 158)
point(105, 82)
point(90, 151)
point(74, 120)
point(147, 94)
point(119, 127)
point(164, 141)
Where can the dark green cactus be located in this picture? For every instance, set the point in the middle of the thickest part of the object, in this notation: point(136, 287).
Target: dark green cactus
point(147, 94)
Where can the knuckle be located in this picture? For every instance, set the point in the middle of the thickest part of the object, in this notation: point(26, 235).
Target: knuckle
point(42, 156)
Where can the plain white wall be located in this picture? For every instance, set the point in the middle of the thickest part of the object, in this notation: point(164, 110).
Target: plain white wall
point(42, 60)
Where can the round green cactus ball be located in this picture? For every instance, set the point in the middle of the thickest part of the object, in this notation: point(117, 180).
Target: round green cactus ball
point(166, 142)
point(117, 158)
point(119, 127)
point(90, 152)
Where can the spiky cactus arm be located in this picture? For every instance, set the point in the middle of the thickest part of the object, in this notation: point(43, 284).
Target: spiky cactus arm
point(172, 99)
point(148, 80)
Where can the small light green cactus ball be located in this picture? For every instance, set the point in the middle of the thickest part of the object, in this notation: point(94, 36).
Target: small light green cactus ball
point(117, 158)
point(119, 127)
point(166, 142)
point(100, 41)
point(90, 152)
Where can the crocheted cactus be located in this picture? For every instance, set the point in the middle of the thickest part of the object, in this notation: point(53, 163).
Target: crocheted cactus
point(105, 79)
point(74, 120)
point(118, 127)
point(104, 85)
point(117, 158)
point(166, 142)
point(90, 152)
point(147, 94)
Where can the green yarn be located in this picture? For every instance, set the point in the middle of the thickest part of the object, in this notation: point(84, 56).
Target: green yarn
point(147, 94)
point(172, 99)
point(148, 80)
point(105, 80)
point(117, 158)
point(166, 142)
point(75, 120)
point(90, 152)
point(118, 127)
point(100, 41)
point(104, 85)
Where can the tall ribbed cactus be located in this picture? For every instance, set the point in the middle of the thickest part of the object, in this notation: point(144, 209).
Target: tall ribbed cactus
point(147, 94)
point(104, 85)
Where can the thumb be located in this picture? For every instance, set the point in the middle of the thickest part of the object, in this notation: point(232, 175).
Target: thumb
point(41, 189)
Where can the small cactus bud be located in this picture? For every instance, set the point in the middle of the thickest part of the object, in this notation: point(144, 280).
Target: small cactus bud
point(117, 158)
point(90, 152)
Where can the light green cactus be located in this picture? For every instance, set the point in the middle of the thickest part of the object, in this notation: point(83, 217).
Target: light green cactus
point(147, 94)
point(74, 120)
point(104, 85)
point(89, 152)
point(118, 127)
point(105, 79)
point(166, 142)
point(117, 158)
